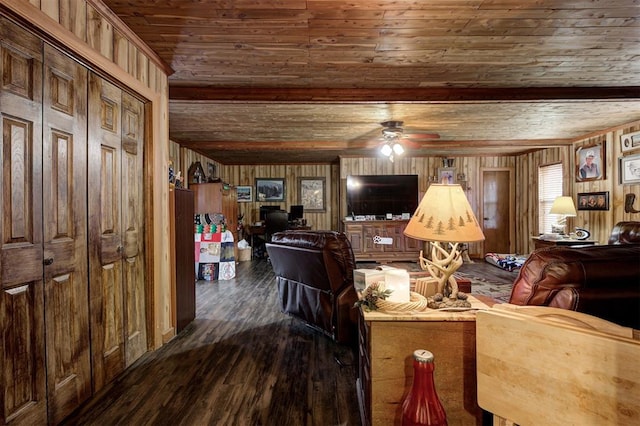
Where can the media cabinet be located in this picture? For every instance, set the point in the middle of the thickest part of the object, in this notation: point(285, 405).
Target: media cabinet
point(362, 233)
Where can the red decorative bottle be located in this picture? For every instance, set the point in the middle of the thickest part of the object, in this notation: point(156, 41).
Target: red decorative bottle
point(422, 406)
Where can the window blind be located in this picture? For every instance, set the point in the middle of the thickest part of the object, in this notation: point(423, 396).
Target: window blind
point(549, 187)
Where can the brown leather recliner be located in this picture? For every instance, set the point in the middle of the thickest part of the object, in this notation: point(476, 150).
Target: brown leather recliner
point(603, 281)
point(314, 276)
point(625, 233)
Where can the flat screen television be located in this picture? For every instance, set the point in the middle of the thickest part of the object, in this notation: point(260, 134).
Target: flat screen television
point(381, 194)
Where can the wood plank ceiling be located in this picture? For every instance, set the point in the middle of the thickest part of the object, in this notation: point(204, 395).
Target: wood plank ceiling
point(295, 81)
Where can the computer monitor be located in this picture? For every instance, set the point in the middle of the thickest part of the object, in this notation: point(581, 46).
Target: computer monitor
point(264, 210)
point(296, 212)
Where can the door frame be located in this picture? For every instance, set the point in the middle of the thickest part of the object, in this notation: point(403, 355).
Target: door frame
point(512, 204)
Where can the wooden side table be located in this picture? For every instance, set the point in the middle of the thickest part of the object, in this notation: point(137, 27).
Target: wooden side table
point(540, 243)
point(386, 345)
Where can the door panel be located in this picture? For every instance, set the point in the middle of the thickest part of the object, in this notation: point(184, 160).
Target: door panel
point(105, 234)
point(496, 211)
point(133, 223)
point(22, 346)
point(65, 234)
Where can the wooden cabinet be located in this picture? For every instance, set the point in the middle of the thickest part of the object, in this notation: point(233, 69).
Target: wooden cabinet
point(218, 197)
point(184, 278)
point(362, 234)
point(72, 270)
point(385, 374)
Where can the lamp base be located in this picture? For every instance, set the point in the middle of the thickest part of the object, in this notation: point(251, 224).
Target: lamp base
point(438, 301)
point(442, 266)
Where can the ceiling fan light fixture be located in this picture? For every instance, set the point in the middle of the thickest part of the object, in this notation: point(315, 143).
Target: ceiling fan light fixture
point(398, 149)
point(386, 150)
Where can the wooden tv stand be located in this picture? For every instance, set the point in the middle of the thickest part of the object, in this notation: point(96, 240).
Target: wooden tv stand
point(361, 234)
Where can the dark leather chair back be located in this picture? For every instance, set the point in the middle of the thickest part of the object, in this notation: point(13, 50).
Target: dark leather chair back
point(603, 281)
point(625, 233)
point(275, 221)
point(314, 277)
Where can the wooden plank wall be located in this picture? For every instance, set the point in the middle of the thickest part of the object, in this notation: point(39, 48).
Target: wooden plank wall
point(525, 172)
point(92, 34)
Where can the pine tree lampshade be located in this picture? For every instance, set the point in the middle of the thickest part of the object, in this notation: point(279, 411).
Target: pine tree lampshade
point(444, 218)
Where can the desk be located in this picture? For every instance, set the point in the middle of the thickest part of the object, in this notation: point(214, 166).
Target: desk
point(540, 243)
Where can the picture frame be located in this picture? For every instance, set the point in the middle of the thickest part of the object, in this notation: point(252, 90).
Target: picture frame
point(593, 200)
point(245, 194)
point(590, 162)
point(270, 189)
point(630, 169)
point(312, 193)
point(447, 174)
point(630, 141)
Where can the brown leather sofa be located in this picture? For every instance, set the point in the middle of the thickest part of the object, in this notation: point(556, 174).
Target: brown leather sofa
point(314, 277)
point(603, 280)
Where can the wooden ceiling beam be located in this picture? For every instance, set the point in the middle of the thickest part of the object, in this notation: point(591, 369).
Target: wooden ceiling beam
point(344, 145)
point(194, 93)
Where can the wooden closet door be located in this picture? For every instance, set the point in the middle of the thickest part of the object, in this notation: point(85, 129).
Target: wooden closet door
point(105, 231)
point(133, 227)
point(65, 234)
point(22, 347)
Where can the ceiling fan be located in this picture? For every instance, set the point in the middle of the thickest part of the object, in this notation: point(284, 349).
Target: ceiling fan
point(395, 138)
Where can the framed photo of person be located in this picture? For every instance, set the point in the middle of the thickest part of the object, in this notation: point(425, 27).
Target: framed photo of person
point(590, 163)
point(593, 200)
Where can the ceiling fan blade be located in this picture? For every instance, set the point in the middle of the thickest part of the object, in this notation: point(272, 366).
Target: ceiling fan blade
point(421, 136)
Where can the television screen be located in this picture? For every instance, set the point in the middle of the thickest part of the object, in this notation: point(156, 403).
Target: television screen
point(379, 195)
point(296, 212)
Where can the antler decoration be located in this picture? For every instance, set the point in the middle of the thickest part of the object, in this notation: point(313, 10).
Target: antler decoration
point(442, 266)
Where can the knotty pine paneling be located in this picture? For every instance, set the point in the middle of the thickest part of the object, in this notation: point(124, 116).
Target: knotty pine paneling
point(525, 173)
point(102, 40)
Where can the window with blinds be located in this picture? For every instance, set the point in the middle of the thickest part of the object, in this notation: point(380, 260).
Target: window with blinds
point(549, 187)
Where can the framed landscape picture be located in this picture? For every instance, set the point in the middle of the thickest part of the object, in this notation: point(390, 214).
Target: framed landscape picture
point(269, 189)
point(245, 194)
point(311, 193)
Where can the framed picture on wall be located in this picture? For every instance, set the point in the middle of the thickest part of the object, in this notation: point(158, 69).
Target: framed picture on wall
point(593, 200)
point(245, 194)
point(590, 163)
point(269, 189)
point(311, 193)
point(630, 141)
point(447, 175)
point(630, 169)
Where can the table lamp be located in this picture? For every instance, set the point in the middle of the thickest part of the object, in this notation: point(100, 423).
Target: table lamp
point(444, 218)
point(563, 206)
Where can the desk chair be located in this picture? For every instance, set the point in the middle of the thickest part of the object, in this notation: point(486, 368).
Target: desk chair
point(275, 221)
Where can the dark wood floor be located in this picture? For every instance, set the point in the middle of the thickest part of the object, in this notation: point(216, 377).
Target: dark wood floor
point(241, 362)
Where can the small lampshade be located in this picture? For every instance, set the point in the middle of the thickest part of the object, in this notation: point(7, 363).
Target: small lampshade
point(563, 205)
point(386, 150)
point(444, 214)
